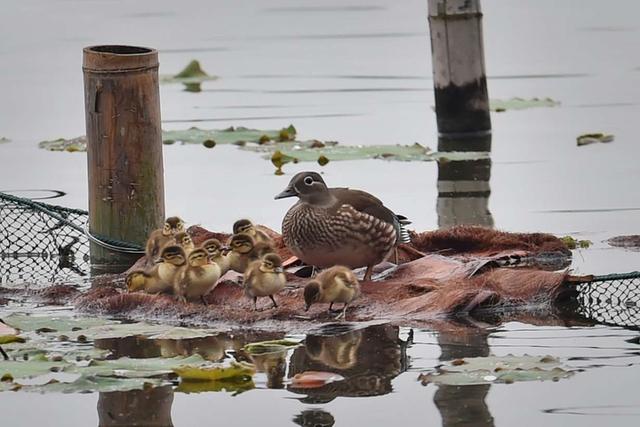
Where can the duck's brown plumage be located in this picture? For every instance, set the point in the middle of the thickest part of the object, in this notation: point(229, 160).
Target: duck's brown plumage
point(330, 226)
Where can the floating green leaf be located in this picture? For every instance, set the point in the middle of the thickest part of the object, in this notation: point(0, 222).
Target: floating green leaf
point(274, 346)
point(191, 74)
point(592, 138)
point(501, 105)
point(494, 369)
point(215, 371)
point(30, 368)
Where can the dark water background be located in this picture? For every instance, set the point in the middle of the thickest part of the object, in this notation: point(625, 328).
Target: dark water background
point(359, 72)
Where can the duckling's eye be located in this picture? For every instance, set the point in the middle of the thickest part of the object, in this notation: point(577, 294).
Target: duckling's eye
point(308, 180)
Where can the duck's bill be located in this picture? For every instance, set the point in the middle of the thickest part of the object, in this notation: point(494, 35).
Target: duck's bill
point(289, 192)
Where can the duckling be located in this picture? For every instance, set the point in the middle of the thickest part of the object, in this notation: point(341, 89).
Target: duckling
point(214, 248)
point(240, 257)
point(336, 284)
point(172, 259)
point(247, 227)
point(264, 278)
point(160, 278)
point(163, 236)
point(197, 278)
point(183, 239)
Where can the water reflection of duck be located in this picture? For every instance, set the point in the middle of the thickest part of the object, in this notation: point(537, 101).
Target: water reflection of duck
point(368, 359)
point(314, 418)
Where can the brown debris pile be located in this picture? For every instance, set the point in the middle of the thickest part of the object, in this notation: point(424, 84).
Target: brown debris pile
point(421, 288)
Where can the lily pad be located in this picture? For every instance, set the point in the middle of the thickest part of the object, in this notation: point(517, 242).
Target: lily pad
point(232, 135)
point(126, 367)
point(275, 346)
point(592, 138)
point(235, 386)
point(4, 140)
point(86, 384)
point(30, 368)
point(48, 324)
point(501, 105)
point(191, 74)
point(215, 371)
point(70, 145)
point(153, 331)
point(494, 369)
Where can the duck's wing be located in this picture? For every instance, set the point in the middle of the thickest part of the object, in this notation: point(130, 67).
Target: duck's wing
point(371, 205)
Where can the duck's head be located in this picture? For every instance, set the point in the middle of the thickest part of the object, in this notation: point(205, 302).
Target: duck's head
point(311, 293)
point(173, 254)
point(213, 247)
point(183, 239)
point(271, 263)
point(243, 226)
point(241, 243)
point(308, 186)
point(198, 258)
point(172, 225)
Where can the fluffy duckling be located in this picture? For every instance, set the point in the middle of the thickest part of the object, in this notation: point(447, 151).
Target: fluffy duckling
point(247, 227)
point(214, 248)
point(244, 250)
point(264, 278)
point(197, 278)
point(161, 237)
point(335, 284)
point(183, 239)
point(161, 276)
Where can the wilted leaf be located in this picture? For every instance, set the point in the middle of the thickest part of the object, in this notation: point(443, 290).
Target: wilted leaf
point(592, 138)
point(314, 379)
point(494, 369)
point(215, 372)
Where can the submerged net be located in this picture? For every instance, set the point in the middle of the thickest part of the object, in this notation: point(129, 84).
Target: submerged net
point(612, 299)
point(41, 244)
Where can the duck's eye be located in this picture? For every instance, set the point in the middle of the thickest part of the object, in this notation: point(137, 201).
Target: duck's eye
point(308, 180)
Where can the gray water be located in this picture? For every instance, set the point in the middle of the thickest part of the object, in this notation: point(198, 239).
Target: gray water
point(360, 73)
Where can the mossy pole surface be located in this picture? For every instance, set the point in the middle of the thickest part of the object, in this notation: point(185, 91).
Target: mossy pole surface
point(124, 149)
point(460, 84)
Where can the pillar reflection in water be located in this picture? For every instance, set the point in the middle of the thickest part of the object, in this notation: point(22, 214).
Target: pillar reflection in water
point(463, 185)
point(463, 405)
point(149, 407)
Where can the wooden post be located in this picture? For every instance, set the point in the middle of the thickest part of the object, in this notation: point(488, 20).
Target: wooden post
point(463, 185)
point(460, 84)
point(124, 149)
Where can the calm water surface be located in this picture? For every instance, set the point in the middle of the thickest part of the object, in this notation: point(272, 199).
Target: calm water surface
point(359, 72)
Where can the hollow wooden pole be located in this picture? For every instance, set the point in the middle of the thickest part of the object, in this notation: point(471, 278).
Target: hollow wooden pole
point(460, 84)
point(124, 149)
